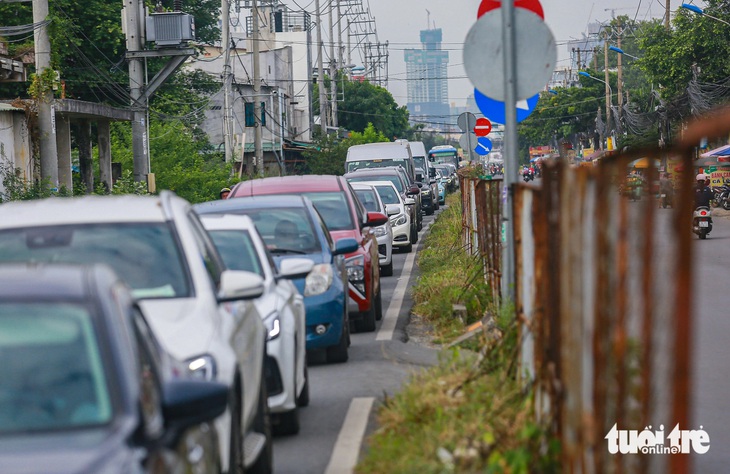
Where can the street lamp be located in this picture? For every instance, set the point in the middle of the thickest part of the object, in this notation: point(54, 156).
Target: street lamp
point(608, 97)
point(699, 11)
point(621, 51)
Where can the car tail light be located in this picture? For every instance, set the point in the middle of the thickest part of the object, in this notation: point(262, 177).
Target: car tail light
point(703, 213)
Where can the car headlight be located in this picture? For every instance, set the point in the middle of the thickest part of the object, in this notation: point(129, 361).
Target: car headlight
point(380, 231)
point(426, 192)
point(202, 367)
point(355, 268)
point(273, 326)
point(319, 280)
point(399, 219)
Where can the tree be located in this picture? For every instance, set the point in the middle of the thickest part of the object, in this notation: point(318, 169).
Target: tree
point(88, 45)
point(366, 103)
point(331, 153)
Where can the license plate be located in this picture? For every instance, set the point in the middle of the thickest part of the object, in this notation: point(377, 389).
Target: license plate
point(704, 224)
point(664, 195)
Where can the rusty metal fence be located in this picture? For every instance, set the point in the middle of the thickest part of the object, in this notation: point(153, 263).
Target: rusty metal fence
point(482, 226)
point(603, 298)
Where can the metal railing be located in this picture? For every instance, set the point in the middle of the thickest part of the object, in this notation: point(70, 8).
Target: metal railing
point(603, 297)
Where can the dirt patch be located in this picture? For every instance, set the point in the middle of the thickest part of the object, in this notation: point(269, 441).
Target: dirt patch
point(421, 332)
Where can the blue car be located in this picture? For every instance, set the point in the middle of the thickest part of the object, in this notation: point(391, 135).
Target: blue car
point(292, 227)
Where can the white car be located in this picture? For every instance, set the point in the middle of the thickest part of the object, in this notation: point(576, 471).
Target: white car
point(397, 212)
point(193, 303)
point(370, 199)
point(281, 306)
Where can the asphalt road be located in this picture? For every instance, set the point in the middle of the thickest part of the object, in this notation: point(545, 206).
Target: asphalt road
point(344, 397)
point(711, 344)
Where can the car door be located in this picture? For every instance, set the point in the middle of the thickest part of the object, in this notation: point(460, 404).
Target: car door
point(240, 321)
point(369, 241)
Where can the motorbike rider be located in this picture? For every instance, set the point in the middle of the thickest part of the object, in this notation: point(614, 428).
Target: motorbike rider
point(703, 194)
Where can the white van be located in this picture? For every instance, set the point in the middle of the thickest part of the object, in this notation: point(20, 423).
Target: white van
point(378, 155)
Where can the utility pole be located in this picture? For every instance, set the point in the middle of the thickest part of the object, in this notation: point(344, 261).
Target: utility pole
point(46, 112)
point(333, 72)
point(620, 77)
point(227, 81)
point(257, 112)
point(136, 85)
point(608, 89)
point(666, 15)
point(320, 70)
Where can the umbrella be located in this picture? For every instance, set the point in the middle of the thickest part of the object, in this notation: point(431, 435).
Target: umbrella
point(721, 151)
point(643, 163)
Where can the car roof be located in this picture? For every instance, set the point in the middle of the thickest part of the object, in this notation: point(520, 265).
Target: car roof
point(288, 185)
point(377, 151)
point(48, 281)
point(87, 209)
point(227, 221)
point(270, 201)
point(418, 149)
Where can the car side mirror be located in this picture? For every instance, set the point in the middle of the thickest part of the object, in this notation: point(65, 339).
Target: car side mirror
point(410, 202)
point(345, 246)
point(391, 209)
point(189, 402)
point(376, 219)
point(239, 285)
point(295, 268)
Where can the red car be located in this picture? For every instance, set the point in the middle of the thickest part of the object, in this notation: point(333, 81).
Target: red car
point(345, 217)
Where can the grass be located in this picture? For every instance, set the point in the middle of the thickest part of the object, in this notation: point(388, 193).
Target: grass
point(468, 413)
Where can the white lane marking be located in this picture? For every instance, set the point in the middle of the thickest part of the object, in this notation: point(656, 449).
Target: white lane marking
point(347, 447)
point(385, 333)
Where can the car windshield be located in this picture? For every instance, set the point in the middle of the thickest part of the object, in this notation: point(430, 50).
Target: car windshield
point(333, 208)
point(285, 230)
point(145, 255)
point(368, 199)
point(52, 375)
point(392, 178)
point(387, 194)
point(237, 249)
point(378, 163)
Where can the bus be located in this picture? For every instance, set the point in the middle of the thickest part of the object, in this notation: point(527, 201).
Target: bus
point(444, 154)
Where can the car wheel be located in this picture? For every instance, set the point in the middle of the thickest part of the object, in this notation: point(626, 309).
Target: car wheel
point(408, 248)
point(262, 424)
point(387, 270)
point(339, 353)
point(303, 398)
point(414, 236)
point(235, 452)
point(379, 307)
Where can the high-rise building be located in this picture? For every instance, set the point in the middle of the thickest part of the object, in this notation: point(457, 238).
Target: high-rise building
point(428, 91)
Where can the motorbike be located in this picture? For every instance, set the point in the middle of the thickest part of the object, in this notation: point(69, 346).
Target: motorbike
point(702, 222)
point(722, 197)
point(666, 198)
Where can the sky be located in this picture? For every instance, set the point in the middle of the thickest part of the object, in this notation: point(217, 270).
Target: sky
point(399, 23)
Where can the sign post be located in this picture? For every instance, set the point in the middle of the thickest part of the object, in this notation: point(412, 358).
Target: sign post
point(466, 122)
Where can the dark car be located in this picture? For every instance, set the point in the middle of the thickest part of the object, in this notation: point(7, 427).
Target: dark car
point(345, 217)
point(84, 385)
point(406, 190)
point(325, 288)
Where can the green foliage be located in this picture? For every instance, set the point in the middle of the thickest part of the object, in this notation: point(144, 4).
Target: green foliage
point(331, 152)
point(18, 189)
point(366, 103)
point(694, 42)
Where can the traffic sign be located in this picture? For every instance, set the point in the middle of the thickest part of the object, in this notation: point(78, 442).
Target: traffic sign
point(535, 54)
point(466, 121)
point(484, 146)
point(494, 109)
point(483, 127)
point(532, 5)
point(467, 142)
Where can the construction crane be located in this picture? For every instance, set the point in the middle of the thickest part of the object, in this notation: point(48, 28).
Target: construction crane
point(613, 11)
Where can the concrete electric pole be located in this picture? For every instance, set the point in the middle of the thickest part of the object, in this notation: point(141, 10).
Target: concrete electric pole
point(134, 30)
point(333, 72)
point(46, 112)
point(320, 72)
point(227, 81)
point(258, 132)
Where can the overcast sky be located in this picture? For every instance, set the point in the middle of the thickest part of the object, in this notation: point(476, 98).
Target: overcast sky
point(399, 22)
